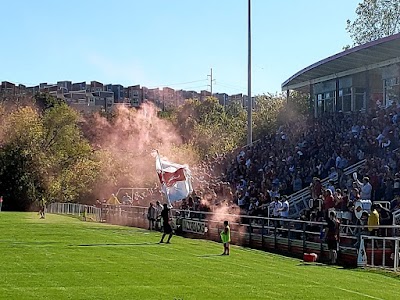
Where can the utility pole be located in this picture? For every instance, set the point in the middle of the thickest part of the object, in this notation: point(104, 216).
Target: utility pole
point(211, 82)
point(249, 100)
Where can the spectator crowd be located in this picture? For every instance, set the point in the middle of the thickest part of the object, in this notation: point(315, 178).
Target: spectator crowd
point(298, 155)
point(305, 150)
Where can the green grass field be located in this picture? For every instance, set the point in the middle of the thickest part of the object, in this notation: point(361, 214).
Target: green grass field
point(64, 258)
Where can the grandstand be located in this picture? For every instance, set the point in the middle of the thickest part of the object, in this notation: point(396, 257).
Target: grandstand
point(354, 95)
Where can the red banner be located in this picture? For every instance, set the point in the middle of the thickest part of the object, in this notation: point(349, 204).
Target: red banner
point(171, 178)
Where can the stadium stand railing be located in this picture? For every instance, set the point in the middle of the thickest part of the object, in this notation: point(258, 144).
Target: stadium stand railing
point(299, 201)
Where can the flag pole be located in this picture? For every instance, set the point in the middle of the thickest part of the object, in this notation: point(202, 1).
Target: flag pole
point(162, 177)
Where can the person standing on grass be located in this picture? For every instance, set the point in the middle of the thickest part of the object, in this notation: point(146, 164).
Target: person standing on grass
point(226, 238)
point(159, 209)
point(332, 236)
point(42, 208)
point(165, 215)
point(1, 202)
point(151, 216)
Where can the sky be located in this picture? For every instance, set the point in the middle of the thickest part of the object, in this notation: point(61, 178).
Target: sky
point(174, 43)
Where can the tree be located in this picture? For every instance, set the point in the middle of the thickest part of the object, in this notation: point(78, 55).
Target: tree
point(45, 101)
point(266, 114)
point(21, 174)
point(210, 128)
point(375, 19)
point(70, 161)
point(44, 156)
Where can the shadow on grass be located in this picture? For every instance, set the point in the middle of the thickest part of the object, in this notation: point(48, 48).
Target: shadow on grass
point(210, 255)
point(304, 264)
point(114, 244)
point(38, 243)
point(387, 273)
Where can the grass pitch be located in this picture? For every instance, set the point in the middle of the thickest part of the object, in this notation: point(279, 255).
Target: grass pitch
point(64, 258)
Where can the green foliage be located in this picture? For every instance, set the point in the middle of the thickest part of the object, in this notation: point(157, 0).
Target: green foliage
point(110, 115)
point(210, 128)
point(20, 178)
point(71, 164)
point(167, 114)
point(375, 19)
point(297, 104)
point(266, 115)
point(43, 155)
point(45, 101)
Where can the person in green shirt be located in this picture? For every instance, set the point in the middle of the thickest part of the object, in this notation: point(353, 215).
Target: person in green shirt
point(226, 238)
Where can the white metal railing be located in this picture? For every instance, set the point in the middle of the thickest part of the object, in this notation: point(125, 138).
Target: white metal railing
point(87, 212)
point(376, 255)
point(396, 221)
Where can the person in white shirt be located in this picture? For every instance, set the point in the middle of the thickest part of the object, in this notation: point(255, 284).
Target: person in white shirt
point(366, 189)
point(284, 214)
point(276, 205)
point(284, 210)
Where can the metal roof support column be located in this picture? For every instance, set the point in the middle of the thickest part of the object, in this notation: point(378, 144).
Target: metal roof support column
point(313, 102)
point(287, 96)
point(337, 96)
point(367, 92)
point(249, 99)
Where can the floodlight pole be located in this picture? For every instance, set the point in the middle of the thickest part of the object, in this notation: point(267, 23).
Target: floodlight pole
point(249, 99)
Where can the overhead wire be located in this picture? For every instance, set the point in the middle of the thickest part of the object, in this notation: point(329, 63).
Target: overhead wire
point(231, 86)
point(181, 83)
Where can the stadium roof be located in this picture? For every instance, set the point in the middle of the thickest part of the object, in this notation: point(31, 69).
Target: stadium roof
point(375, 54)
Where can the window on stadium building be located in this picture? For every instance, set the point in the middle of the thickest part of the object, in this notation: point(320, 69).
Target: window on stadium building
point(359, 99)
point(391, 90)
point(345, 99)
point(326, 102)
point(320, 104)
point(339, 101)
point(329, 102)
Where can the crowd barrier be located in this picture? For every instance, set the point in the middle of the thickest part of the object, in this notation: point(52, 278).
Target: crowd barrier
point(379, 252)
point(284, 236)
point(86, 212)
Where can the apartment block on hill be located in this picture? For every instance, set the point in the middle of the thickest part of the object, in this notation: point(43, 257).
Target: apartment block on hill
point(95, 96)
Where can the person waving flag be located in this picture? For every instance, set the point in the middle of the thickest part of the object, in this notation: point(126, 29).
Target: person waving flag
point(174, 178)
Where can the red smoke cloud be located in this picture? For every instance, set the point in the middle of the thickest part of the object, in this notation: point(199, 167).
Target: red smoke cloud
point(125, 143)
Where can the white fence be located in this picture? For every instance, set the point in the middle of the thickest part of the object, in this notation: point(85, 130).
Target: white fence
point(85, 211)
point(379, 252)
point(396, 221)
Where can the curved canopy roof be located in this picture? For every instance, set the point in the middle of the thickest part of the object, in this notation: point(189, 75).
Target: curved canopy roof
point(374, 54)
